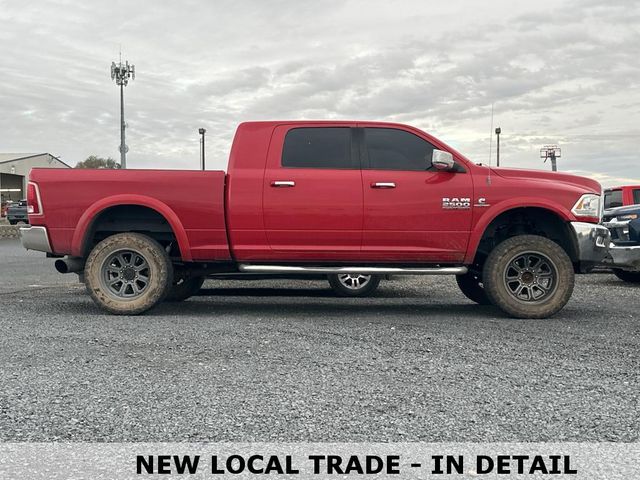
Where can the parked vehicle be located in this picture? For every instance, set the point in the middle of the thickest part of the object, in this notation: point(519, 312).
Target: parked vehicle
point(332, 198)
point(4, 206)
point(17, 213)
point(624, 225)
point(621, 196)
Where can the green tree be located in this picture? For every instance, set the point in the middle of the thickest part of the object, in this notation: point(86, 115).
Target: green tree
point(93, 161)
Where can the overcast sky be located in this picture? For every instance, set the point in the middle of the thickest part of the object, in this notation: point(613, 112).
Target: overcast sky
point(556, 72)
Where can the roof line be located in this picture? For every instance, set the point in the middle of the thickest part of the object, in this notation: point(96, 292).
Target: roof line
point(58, 159)
point(35, 155)
point(23, 158)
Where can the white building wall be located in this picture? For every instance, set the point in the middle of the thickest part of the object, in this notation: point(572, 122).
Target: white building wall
point(22, 166)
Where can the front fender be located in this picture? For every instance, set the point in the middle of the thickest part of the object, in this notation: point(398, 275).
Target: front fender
point(86, 220)
point(483, 217)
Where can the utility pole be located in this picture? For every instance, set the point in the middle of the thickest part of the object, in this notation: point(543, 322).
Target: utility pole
point(551, 152)
point(121, 73)
point(498, 132)
point(202, 131)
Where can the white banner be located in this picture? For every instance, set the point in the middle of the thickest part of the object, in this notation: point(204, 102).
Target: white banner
point(92, 461)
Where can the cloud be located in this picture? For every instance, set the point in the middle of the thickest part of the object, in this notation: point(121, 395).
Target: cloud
point(556, 72)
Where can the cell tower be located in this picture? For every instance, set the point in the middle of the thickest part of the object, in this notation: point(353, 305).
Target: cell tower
point(121, 73)
point(551, 152)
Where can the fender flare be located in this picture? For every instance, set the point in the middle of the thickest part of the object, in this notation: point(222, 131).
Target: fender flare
point(504, 206)
point(90, 214)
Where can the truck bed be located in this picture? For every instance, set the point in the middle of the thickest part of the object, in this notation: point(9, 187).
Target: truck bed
point(191, 201)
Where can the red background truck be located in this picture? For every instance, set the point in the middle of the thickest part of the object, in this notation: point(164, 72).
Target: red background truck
point(362, 198)
point(621, 196)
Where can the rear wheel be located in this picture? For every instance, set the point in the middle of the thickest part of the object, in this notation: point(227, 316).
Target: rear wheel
point(353, 284)
point(631, 277)
point(529, 276)
point(128, 273)
point(471, 286)
point(183, 288)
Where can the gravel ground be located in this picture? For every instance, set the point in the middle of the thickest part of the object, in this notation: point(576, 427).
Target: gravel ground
point(287, 361)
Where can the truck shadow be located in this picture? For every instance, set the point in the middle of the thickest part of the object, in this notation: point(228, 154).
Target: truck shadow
point(320, 302)
point(280, 302)
point(353, 308)
point(303, 302)
point(297, 292)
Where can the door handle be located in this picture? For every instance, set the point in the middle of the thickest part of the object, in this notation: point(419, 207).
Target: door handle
point(283, 183)
point(383, 185)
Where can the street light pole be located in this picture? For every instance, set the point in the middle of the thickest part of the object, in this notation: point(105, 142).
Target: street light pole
point(498, 132)
point(202, 131)
point(121, 73)
point(554, 165)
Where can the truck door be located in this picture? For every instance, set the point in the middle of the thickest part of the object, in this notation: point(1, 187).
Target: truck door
point(412, 212)
point(312, 193)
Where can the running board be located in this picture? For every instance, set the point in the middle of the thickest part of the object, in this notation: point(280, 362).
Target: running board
point(363, 270)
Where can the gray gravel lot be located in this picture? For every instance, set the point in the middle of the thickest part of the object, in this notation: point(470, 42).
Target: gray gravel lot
point(288, 361)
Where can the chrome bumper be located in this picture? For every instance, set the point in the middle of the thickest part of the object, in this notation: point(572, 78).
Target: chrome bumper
point(35, 238)
point(625, 258)
point(592, 243)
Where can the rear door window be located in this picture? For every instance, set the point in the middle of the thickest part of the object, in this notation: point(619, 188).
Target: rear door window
point(636, 196)
point(318, 147)
point(612, 199)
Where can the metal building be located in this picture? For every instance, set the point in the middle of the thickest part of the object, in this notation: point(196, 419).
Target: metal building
point(14, 171)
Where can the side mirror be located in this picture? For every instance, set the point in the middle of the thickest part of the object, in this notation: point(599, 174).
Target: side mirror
point(442, 161)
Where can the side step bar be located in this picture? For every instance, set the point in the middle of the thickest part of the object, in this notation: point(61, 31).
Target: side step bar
point(364, 270)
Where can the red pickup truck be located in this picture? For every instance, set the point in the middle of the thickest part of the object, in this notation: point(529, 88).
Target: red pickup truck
point(621, 196)
point(330, 198)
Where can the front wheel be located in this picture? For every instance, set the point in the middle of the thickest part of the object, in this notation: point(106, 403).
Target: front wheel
point(624, 275)
point(353, 284)
point(529, 276)
point(128, 273)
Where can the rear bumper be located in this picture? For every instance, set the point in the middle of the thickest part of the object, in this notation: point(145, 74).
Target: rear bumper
point(35, 238)
point(592, 242)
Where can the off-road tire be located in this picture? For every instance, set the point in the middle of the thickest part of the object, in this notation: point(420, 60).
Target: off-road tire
point(160, 273)
point(471, 286)
point(341, 290)
point(497, 270)
point(631, 277)
point(184, 288)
